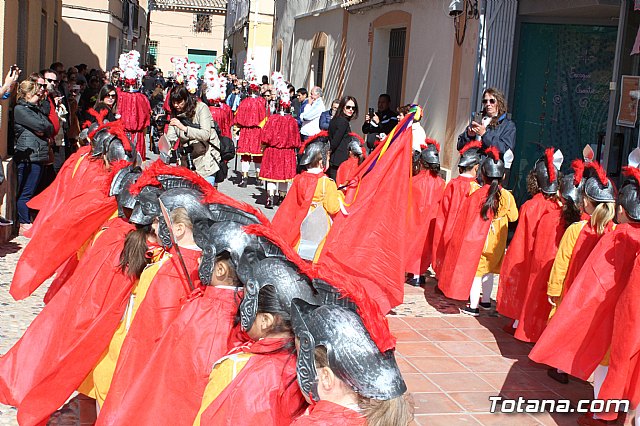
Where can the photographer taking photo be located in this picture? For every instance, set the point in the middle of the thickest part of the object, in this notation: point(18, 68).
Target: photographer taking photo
point(192, 135)
point(377, 125)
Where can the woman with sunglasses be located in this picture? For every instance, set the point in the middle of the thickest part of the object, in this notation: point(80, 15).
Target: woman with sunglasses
point(107, 100)
point(494, 129)
point(339, 129)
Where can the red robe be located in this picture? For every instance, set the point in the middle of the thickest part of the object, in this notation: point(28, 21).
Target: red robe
point(65, 230)
point(623, 377)
point(579, 334)
point(223, 115)
point(179, 365)
point(456, 191)
point(295, 206)
point(346, 170)
point(465, 249)
point(536, 307)
point(427, 191)
point(135, 112)
point(161, 305)
point(325, 413)
point(250, 114)
point(281, 138)
point(515, 268)
point(68, 336)
point(264, 393)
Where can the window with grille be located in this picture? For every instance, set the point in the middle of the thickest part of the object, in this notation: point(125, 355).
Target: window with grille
point(202, 23)
point(153, 50)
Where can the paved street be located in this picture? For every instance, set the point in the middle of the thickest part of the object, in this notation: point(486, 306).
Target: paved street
point(451, 363)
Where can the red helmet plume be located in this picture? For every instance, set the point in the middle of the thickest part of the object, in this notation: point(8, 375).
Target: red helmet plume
point(149, 177)
point(493, 152)
point(548, 153)
point(600, 173)
point(632, 172)
point(433, 142)
point(578, 167)
point(471, 145)
point(322, 134)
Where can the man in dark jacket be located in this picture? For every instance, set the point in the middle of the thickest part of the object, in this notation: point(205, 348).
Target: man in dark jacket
point(325, 117)
point(379, 125)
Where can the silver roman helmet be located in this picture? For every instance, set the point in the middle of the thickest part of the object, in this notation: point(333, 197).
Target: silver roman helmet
point(120, 186)
point(492, 166)
point(598, 186)
point(572, 185)
point(431, 153)
point(352, 354)
point(629, 196)
point(314, 146)
point(547, 169)
point(189, 199)
point(470, 154)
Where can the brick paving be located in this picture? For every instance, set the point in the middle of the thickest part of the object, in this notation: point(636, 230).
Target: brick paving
point(451, 363)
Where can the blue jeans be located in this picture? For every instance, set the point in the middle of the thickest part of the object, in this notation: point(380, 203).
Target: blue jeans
point(29, 175)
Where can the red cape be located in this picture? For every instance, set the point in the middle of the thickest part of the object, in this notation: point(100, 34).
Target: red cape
point(65, 231)
point(456, 191)
point(516, 265)
point(223, 115)
point(427, 193)
point(536, 307)
point(251, 112)
point(465, 249)
point(578, 335)
point(371, 242)
point(281, 131)
point(66, 339)
point(161, 305)
point(585, 243)
point(623, 377)
point(346, 171)
point(264, 393)
point(325, 413)
point(179, 365)
point(281, 137)
point(295, 207)
point(135, 112)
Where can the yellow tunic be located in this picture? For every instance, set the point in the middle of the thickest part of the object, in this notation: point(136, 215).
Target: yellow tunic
point(496, 243)
point(327, 195)
point(97, 384)
point(563, 257)
point(223, 373)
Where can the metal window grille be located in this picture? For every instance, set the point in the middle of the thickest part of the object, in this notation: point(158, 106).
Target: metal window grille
point(153, 49)
point(202, 23)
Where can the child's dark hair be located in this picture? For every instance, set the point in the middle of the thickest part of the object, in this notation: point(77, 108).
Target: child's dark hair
point(493, 198)
point(570, 213)
point(434, 169)
point(532, 183)
point(133, 257)
point(468, 169)
point(225, 256)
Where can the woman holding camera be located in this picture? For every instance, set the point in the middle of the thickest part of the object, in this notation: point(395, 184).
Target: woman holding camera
point(492, 126)
point(32, 132)
point(192, 135)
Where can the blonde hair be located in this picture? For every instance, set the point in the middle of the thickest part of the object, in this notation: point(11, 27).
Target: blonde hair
point(27, 89)
point(602, 215)
point(180, 215)
point(397, 411)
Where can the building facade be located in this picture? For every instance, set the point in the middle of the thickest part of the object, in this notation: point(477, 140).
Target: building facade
point(96, 32)
point(249, 29)
point(30, 38)
point(190, 28)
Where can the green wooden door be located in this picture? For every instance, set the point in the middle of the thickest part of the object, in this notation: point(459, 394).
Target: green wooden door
point(202, 58)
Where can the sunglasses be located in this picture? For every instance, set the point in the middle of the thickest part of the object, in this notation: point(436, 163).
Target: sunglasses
point(42, 85)
point(112, 95)
point(350, 107)
point(488, 101)
point(51, 80)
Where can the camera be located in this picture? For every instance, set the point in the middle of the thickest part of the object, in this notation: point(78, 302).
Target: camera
point(456, 7)
point(185, 152)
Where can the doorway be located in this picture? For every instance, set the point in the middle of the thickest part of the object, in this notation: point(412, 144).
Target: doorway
point(397, 41)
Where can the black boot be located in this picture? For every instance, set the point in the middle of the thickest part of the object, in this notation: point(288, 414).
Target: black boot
point(279, 198)
point(243, 183)
point(270, 202)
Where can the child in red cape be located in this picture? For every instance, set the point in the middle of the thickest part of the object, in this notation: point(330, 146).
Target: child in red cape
point(311, 190)
point(456, 191)
point(200, 335)
point(579, 336)
point(516, 268)
point(254, 384)
point(427, 189)
point(479, 238)
point(356, 157)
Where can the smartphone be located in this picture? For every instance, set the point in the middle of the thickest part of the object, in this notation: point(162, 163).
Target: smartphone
point(371, 112)
point(477, 117)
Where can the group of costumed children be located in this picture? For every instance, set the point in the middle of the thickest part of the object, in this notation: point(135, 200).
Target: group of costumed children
point(175, 304)
point(570, 278)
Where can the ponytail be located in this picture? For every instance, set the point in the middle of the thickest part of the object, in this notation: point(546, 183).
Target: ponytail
point(396, 411)
point(133, 258)
point(602, 215)
point(493, 200)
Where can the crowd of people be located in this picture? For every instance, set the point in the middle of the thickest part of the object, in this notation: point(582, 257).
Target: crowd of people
point(174, 301)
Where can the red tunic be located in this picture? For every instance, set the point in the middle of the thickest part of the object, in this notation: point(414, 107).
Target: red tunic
point(623, 377)
point(65, 230)
point(179, 365)
point(161, 305)
point(465, 249)
point(515, 268)
point(281, 137)
point(536, 307)
point(264, 393)
point(250, 114)
point(456, 191)
point(223, 115)
point(295, 207)
point(325, 413)
point(68, 336)
point(579, 334)
point(135, 112)
point(427, 191)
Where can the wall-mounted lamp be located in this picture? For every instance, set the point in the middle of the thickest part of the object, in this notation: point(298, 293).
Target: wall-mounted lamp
point(461, 11)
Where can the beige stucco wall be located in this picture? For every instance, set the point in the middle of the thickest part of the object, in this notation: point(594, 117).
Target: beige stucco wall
point(174, 33)
point(85, 42)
